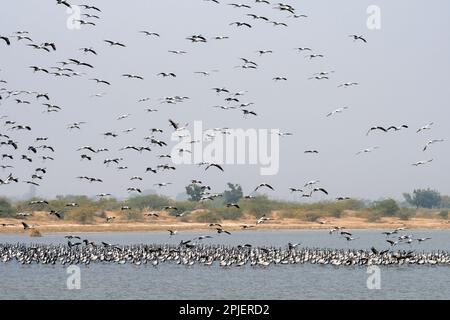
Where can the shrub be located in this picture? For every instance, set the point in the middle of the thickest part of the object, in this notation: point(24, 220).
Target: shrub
point(443, 214)
point(336, 212)
point(228, 213)
point(133, 215)
point(353, 204)
point(404, 216)
point(374, 217)
point(35, 233)
point(108, 204)
point(445, 202)
point(185, 218)
point(214, 215)
point(6, 210)
point(406, 213)
point(83, 215)
point(183, 206)
point(101, 214)
point(312, 216)
point(207, 217)
point(153, 201)
point(212, 204)
point(289, 214)
point(388, 207)
point(258, 206)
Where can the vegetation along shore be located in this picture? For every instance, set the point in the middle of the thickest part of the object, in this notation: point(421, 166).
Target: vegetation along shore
point(423, 209)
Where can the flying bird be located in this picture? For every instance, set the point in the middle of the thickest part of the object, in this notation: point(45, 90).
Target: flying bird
point(425, 127)
point(348, 84)
point(26, 226)
point(177, 52)
point(89, 50)
point(357, 37)
point(101, 81)
point(423, 239)
point(368, 150)
point(87, 7)
point(6, 39)
point(376, 128)
point(420, 163)
point(320, 189)
point(266, 185)
point(214, 165)
point(114, 43)
point(241, 24)
point(240, 5)
point(431, 142)
point(403, 126)
point(339, 110)
point(167, 74)
point(148, 33)
point(312, 56)
point(132, 76)
point(220, 230)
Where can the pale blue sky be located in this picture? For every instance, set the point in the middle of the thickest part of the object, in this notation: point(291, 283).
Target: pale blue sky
point(403, 73)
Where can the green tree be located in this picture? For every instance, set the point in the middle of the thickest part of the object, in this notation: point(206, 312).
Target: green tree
point(388, 207)
point(234, 194)
point(422, 198)
point(445, 202)
point(153, 201)
point(5, 208)
point(194, 191)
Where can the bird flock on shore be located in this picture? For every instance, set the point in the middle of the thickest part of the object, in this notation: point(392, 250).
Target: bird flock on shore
point(211, 255)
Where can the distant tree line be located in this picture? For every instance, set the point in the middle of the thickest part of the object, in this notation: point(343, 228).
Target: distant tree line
point(427, 198)
point(214, 209)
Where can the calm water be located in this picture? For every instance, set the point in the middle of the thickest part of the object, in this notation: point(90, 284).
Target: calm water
point(169, 281)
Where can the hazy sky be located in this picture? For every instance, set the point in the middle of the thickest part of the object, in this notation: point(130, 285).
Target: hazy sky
point(403, 76)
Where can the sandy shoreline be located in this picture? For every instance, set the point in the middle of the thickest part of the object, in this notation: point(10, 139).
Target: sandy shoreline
point(47, 226)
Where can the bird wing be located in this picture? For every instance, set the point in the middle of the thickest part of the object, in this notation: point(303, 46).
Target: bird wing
point(6, 40)
point(173, 124)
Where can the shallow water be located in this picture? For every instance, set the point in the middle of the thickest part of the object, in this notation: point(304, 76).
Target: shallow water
point(170, 281)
